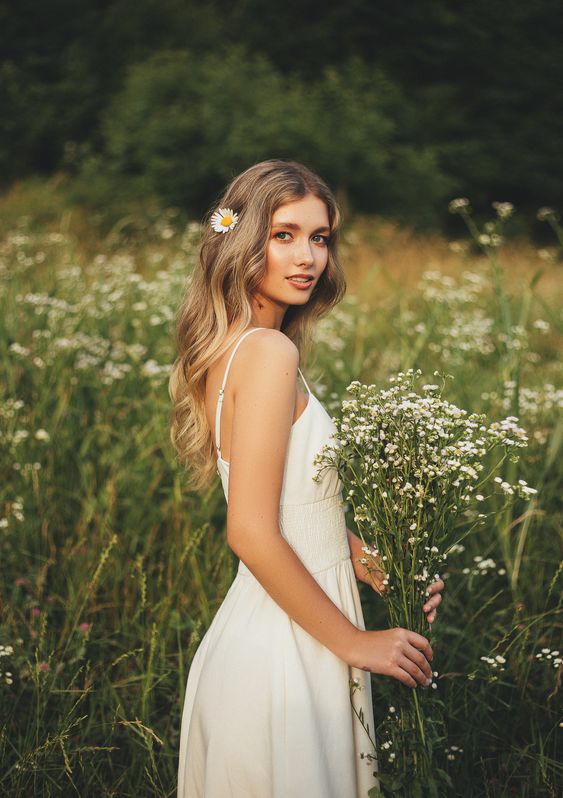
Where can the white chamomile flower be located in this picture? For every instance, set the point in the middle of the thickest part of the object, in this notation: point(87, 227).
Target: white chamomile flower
point(224, 220)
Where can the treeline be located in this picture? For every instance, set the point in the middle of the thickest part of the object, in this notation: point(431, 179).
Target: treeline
point(398, 108)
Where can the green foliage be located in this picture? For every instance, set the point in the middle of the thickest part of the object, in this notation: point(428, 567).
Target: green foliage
point(183, 126)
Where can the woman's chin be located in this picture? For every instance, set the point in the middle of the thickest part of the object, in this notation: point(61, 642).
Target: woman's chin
point(297, 297)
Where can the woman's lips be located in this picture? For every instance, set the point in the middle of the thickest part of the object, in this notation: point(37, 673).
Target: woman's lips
point(301, 284)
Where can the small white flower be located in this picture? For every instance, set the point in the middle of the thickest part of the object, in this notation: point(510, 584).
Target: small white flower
point(504, 209)
point(459, 204)
point(541, 325)
point(544, 214)
point(224, 220)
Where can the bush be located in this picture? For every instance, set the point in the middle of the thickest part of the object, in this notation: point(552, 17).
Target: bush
point(182, 127)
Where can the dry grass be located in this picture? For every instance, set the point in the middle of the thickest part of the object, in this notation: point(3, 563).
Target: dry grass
point(380, 255)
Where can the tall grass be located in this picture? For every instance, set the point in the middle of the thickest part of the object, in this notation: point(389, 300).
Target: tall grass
point(111, 571)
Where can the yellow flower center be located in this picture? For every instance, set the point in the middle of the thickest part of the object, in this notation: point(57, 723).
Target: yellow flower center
point(226, 220)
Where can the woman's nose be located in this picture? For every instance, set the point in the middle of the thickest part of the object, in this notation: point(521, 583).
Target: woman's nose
point(304, 254)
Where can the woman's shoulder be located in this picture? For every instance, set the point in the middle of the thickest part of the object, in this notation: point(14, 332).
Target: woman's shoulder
point(267, 350)
point(265, 339)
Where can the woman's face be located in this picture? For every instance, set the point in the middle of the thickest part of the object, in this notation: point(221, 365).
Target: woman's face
point(297, 248)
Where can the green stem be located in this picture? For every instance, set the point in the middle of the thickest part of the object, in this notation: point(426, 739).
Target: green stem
point(421, 730)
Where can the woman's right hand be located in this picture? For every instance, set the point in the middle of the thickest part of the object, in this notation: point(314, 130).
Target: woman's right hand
point(397, 652)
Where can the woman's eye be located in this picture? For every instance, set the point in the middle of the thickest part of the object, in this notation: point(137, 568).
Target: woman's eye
point(323, 239)
point(283, 235)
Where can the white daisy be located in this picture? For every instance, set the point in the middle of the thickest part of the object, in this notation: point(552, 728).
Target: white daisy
point(224, 220)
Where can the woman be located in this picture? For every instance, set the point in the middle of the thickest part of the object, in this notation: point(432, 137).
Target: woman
point(268, 712)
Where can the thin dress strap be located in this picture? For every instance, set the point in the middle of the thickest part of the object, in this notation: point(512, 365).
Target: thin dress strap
point(222, 389)
point(304, 380)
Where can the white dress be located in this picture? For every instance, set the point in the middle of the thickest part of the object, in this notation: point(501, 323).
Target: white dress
point(267, 711)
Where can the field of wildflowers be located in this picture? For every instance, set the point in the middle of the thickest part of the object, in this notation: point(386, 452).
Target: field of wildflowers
point(111, 571)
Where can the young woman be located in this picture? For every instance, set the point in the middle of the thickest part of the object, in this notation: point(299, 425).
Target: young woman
point(267, 710)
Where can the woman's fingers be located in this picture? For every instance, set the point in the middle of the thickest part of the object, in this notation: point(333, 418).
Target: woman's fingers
point(376, 580)
point(432, 603)
point(376, 575)
point(434, 591)
point(419, 662)
point(413, 670)
point(417, 674)
point(436, 587)
point(416, 657)
point(404, 676)
point(421, 643)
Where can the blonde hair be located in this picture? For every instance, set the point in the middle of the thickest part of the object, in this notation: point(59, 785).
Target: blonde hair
point(216, 306)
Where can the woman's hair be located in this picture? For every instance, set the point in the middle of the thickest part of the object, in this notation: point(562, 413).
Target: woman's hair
point(216, 306)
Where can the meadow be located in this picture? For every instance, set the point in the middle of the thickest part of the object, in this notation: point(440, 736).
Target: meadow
point(111, 570)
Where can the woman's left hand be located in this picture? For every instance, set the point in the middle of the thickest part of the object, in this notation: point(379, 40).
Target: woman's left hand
point(434, 598)
point(370, 569)
point(375, 580)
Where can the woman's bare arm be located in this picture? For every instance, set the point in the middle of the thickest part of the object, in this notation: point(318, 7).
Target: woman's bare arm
point(264, 401)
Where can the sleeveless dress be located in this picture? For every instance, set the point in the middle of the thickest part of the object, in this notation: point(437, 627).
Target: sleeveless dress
point(267, 710)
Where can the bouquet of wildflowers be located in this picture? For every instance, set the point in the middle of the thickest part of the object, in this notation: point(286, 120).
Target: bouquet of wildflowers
point(412, 467)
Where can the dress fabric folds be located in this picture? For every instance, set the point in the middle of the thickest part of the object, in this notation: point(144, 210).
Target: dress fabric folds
point(267, 710)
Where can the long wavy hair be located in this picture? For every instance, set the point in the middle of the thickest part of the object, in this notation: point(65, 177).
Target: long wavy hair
point(216, 306)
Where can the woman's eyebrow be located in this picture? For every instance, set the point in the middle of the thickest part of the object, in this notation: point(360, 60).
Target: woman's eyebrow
point(294, 226)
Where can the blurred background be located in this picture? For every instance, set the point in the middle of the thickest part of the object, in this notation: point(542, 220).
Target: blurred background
point(399, 110)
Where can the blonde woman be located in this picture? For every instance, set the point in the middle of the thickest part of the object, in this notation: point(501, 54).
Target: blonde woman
point(267, 710)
